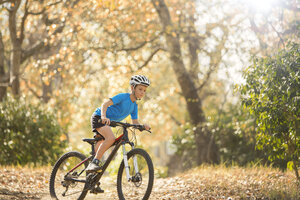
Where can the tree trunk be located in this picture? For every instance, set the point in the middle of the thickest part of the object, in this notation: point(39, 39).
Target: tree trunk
point(3, 88)
point(194, 103)
point(47, 91)
point(17, 49)
point(15, 68)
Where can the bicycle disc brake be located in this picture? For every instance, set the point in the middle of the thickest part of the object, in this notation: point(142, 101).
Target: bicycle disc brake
point(137, 179)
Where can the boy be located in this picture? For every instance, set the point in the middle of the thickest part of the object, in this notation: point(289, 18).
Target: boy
point(116, 108)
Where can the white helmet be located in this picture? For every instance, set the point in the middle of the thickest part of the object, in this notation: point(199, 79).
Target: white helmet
point(139, 80)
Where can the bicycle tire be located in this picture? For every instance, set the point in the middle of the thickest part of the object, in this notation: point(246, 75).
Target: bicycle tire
point(150, 175)
point(59, 163)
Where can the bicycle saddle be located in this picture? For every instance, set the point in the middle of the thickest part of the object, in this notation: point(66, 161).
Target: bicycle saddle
point(91, 140)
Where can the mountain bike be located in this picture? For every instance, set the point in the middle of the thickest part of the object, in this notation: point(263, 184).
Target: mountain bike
point(135, 177)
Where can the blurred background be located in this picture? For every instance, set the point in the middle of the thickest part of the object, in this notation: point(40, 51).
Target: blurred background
point(59, 60)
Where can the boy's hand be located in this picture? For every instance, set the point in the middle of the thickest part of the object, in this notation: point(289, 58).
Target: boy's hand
point(105, 120)
point(147, 127)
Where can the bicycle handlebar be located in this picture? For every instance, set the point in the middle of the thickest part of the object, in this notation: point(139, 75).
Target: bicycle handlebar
point(127, 125)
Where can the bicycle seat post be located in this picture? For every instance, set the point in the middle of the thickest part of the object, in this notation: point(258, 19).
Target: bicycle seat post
point(92, 142)
point(93, 149)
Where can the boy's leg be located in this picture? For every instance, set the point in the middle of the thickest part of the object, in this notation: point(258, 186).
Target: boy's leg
point(107, 133)
point(101, 147)
point(97, 145)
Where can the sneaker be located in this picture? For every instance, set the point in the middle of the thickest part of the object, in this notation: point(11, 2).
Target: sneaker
point(93, 167)
point(97, 190)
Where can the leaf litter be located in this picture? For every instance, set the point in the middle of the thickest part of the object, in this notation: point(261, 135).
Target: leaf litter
point(205, 182)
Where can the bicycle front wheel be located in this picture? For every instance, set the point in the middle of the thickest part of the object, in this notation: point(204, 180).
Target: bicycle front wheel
point(141, 176)
point(62, 181)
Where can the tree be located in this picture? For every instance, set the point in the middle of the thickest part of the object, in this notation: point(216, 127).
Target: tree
point(188, 87)
point(34, 30)
point(272, 93)
point(131, 29)
point(275, 26)
point(2, 71)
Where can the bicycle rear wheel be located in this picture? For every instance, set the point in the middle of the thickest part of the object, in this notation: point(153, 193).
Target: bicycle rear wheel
point(141, 183)
point(60, 186)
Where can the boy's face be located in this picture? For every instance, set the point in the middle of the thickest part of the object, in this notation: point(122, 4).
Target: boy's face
point(140, 91)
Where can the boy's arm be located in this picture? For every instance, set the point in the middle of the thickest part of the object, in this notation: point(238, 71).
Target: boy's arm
point(104, 107)
point(135, 121)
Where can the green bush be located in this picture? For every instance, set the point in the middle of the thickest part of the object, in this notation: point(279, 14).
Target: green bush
point(29, 134)
point(185, 150)
point(234, 132)
point(272, 94)
point(233, 129)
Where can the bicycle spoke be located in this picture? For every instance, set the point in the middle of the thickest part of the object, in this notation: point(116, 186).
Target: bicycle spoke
point(65, 185)
point(74, 193)
point(140, 184)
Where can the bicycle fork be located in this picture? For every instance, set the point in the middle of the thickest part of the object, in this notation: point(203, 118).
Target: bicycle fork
point(126, 165)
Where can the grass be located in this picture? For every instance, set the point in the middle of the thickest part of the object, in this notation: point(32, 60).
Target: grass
point(256, 182)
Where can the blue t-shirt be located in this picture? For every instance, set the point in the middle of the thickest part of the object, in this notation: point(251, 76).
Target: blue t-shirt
point(122, 107)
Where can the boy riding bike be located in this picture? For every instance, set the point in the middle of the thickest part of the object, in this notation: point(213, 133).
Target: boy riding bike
point(116, 108)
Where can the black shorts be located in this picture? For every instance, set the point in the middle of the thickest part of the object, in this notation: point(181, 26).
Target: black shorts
point(96, 123)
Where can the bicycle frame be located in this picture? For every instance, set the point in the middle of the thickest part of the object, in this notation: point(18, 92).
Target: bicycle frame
point(121, 140)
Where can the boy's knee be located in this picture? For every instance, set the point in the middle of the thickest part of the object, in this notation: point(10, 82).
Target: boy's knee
point(111, 138)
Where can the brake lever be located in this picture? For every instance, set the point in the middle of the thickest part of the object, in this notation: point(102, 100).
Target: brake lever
point(142, 128)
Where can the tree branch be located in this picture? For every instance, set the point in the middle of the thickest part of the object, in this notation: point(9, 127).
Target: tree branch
point(37, 13)
point(292, 6)
point(215, 58)
point(140, 45)
point(178, 123)
point(7, 81)
point(13, 6)
point(2, 57)
point(279, 35)
point(55, 3)
point(4, 77)
point(40, 46)
point(5, 84)
point(45, 8)
point(149, 58)
point(128, 49)
point(30, 52)
point(4, 1)
point(134, 48)
point(31, 90)
point(23, 22)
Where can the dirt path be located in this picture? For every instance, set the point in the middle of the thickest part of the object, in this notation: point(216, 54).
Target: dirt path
point(19, 184)
point(160, 191)
point(200, 183)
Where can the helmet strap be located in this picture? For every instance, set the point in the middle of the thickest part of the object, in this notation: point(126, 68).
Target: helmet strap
point(133, 92)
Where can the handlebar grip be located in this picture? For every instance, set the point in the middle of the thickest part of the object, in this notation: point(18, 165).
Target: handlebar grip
point(141, 127)
point(113, 124)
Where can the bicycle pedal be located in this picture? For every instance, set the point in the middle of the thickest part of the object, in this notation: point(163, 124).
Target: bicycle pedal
point(97, 190)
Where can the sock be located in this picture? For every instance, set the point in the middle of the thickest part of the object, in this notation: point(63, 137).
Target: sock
point(96, 161)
